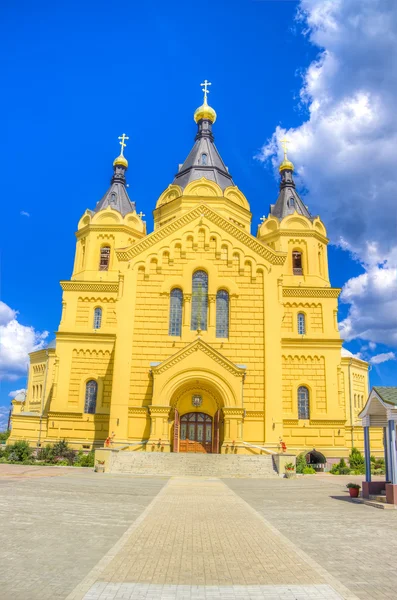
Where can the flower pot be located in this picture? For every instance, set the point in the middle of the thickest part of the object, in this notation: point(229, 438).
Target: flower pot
point(99, 468)
point(354, 492)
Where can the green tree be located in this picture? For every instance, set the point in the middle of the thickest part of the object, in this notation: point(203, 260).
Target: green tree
point(356, 461)
point(301, 462)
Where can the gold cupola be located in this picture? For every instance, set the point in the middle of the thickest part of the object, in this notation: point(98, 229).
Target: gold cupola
point(286, 164)
point(121, 159)
point(205, 111)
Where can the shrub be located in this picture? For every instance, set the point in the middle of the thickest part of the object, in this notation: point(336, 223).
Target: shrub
point(340, 468)
point(46, 454)
point(62, 452)
point(85, 460)
point(356, 461)
point(63, 463)
point(4, 435)
point(18, 452)
point(308, 470)
point(300, 462)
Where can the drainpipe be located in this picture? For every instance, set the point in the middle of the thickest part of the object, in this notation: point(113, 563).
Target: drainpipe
point(351, 405)
point(42, 400)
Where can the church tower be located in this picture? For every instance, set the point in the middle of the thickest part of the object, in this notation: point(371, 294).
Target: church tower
point(198, 336)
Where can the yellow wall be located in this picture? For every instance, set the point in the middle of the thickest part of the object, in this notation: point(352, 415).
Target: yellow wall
point(144, 374)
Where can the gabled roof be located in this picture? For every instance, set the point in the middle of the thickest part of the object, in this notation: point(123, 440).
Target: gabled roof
point(288, 200)
point(387, 394)
point(204, 160)
point(116, 197)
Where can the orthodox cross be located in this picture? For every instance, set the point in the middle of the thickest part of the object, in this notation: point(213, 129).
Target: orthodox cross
point(141, 214)
point(263, 218)
point(205, 88)
point(122, 144)
point(284, 143)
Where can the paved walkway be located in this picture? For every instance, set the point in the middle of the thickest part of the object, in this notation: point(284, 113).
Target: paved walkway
point(198, 539)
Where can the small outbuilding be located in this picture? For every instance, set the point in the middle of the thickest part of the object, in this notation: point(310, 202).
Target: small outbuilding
point(381, 411)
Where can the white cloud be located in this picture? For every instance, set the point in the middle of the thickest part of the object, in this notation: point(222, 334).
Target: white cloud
point(381, 358)
point(16, 392)
point(24, 213)
point(4, 413)
point(16, 341)
point(345, 151)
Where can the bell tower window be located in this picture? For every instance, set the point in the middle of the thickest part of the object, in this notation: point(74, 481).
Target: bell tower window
point(297, 263)
point(104, 258)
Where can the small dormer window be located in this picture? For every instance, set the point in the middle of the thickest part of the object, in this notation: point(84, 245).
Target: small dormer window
point(291, 202)
point(204, 159)
point(113, 198)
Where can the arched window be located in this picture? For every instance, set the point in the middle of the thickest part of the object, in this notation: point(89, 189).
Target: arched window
point(199, 301)
point(91, 390)
point(222, 314)
point(301, 324)
point(97, 318)
point(203, 159)
point(176, 298)
point(291, 202)
point(104, 258)
point(113, 198)
point(297, 263)
point(303, 403)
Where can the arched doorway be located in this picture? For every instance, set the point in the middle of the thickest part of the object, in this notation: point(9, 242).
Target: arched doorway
point(196, 433)
point(316, 460)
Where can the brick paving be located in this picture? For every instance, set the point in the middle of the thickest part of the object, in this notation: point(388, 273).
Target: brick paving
point(67, 533)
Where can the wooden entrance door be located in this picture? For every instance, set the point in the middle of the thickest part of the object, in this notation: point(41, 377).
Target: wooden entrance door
point(195, 433)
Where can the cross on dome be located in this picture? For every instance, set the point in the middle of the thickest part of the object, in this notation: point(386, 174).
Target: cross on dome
point(121, 160)
point(122, 144)
point(205, 88)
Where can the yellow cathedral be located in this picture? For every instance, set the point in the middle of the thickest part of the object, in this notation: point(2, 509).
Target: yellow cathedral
point(198, 336)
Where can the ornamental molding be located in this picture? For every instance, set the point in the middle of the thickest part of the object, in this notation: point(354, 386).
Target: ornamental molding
point(89, 286)
point(137, 410)
point(65, 415)
point(159, 410)
point(195, 388)
point(196, 346)
point(107, 227)
point(324, 422)
point(233, 412)
point(254, 413)
point(275, 258)
point(289, 422)
point(289, 292)
point(301, 233)
point(302, 340)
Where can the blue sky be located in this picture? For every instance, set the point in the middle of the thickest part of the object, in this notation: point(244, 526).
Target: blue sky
point(76, 76)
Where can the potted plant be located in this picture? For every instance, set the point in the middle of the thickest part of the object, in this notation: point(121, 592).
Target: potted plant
point(289, 470)
point(354, 489)
point(100, 466)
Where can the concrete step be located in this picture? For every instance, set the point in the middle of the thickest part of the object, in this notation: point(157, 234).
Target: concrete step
point(205, 465)
point(378, 497)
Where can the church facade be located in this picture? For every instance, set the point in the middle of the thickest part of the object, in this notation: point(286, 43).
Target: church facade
point(199, 336)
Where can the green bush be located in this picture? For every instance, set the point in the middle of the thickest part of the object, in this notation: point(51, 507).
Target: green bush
point(63, 463)
point(46, 454)
point(340, 468)
point(62, 452)
point(85, 460)
point(18, 452)
point(301, 463)
point(4, 435)
point(356, 461)
point(308, 470)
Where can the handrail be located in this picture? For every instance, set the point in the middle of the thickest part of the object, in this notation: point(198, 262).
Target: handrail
point(260, 448)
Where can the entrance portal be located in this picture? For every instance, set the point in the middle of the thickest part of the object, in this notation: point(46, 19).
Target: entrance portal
point(195, 433)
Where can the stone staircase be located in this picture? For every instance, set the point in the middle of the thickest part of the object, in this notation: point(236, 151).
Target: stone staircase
point(204, 465)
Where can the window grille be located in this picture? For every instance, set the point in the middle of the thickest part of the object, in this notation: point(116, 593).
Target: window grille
point(301, 324)
point(97, 318)
point(104, 258)
point(199, 301)
point(91, 390)
point(222, 314)
point(303, 403)
point(176, 299)
point(297, 263)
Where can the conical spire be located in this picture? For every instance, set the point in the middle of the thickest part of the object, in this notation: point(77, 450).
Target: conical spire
point(116, 197)
point(204, 159)
point(288, 200)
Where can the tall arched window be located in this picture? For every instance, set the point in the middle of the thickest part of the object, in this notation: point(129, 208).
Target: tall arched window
point(199, 301)
point(297, 263)
point(91, 390)
point(176, 298)
point(301, 323)
point(203, 159)
point(97, 318)
point(222, 314)
point(104, 258)
point(303, 403)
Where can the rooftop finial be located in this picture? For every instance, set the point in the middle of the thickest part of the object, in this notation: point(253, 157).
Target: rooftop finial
point(286, 164)
point(121, 160)
point(205, 111)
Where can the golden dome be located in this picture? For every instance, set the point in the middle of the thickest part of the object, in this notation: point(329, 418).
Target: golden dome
point(205, 112)
point(121, 160)
point(286, 164)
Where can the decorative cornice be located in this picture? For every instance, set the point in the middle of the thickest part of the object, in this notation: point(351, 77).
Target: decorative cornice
point(230, 412)
point(308, 292)
point(107, 227)
point(255, 413)
point(89, 286)
point(159, 410)
point(290, 422)
point(303, 340)
point(275, 258)
point(325, 422)
point(85, 336)
point(198, 345)
point(137, 410)
point(65, 415)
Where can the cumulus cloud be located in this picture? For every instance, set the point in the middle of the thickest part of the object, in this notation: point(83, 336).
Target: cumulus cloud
point(16, 341)
point(16, 392)
point(381, 358)
point(4, 413)
point(345, 151)
point(24, 213)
